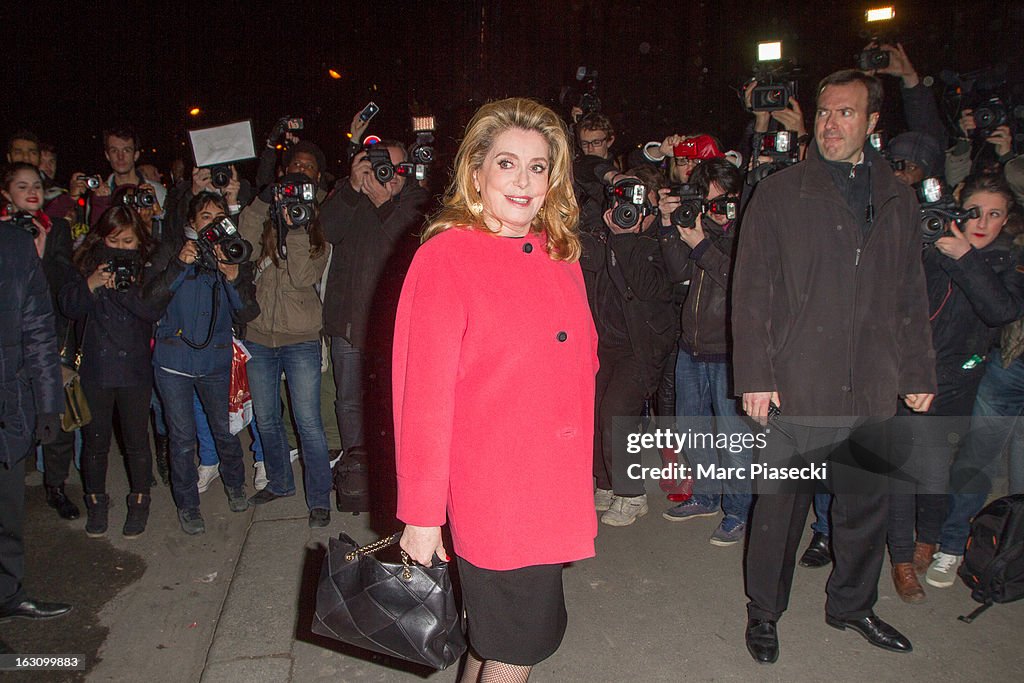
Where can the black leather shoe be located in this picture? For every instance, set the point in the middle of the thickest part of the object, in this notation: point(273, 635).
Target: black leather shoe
point(319, 517)
point(875, 631)
point(56, 499)
point(35, 609)
point(818, 553)
point(265, 496)
point(763, 640)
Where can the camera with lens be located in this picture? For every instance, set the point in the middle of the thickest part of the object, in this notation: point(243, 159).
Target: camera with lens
point(989, 115)
point(125, 269)
point(691, 205)
point(781, 146)
point(92, 182)
point(938, 209)
point(873, 58)
point(380, 161)
point(297, 200)
point(23, 221)
point(222, 232)
point(772, 96)
point(220, 175)
point(285, 124)
point(138, 198)
point(628, 202)
point(423, 149)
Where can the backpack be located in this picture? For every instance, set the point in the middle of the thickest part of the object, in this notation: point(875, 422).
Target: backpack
point(993, 566)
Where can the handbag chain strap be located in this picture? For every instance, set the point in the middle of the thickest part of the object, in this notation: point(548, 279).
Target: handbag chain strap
point(380, 544)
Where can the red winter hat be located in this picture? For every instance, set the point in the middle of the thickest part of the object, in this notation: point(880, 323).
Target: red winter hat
point(700, 147)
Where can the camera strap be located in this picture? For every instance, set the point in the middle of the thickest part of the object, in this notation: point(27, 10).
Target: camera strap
point(215, 308)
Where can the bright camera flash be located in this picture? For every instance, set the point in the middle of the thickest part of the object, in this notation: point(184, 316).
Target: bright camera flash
point(881, 14)
point(422, 123)
point(767, 52)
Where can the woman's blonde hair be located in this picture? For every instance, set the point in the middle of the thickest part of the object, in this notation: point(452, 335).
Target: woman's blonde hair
point(462, 206)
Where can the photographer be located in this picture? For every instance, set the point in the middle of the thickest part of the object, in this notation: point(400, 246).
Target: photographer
point(703, 253)
point(966, 156)
point(237, 191)
point(631, 299)
point(122, 149)
point(201, 296)
point(975, 285)
point(105, 298)
point(593, 166)
point(920, 108)
point(364, 220)
point(22, 188)
point(285, 337)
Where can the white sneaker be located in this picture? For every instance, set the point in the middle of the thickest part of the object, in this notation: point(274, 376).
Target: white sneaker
point(942, 571)
point(624, 511)
point(207, 473)
point(603, 499)
point(260, 480)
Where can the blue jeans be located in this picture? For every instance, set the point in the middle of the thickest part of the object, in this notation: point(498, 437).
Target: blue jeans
point(301, 365)
point(994, 423)
point(177, 393)
point(347, 364)
point(822, 502)
point(207, 450)
point(159, 423)
point(702, 390)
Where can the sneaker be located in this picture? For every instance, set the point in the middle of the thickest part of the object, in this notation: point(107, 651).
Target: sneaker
point(942, 571)
point(237, 500)
point(138, 515)
point(207, 473)
point(96, 505)
point(265, 496)
point(624, 511)
point(603, 499)
point(319, 517)
point(690, 509)
point(259, 482)
point(729, 532)
point(191, 521)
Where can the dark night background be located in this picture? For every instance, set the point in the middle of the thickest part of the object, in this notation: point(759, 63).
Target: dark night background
point(71, 69)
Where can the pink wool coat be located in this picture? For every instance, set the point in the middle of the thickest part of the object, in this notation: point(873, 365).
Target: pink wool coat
point(494, 362)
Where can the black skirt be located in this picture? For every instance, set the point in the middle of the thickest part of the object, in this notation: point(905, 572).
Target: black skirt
point(516, 616)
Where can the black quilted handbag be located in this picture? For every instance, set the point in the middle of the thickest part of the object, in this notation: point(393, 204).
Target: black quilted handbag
point(403, 610)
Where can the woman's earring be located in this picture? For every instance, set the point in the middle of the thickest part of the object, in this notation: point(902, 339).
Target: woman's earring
point(476, 208)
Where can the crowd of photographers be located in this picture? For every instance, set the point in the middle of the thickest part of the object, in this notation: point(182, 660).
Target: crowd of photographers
point(152, 285)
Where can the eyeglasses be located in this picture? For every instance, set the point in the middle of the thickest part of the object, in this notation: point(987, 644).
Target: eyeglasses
point(684, 161)
point(593, 143)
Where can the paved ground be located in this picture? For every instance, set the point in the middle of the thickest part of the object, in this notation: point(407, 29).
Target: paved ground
point(657, 604)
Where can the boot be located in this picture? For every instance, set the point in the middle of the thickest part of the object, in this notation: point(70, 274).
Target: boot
point(351, 481)
point(138, 515)
point(163, 455)
point(907, 586)
point(58, 500)
point(96, 506)
point(923, 553)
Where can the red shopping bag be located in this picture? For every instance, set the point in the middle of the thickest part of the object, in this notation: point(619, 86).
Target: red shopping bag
point(240, 400)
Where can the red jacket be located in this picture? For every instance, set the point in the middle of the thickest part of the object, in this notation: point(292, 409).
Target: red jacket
point(494, 362)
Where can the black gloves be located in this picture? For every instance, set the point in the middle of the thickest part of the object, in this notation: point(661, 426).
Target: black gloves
point(47, 427)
